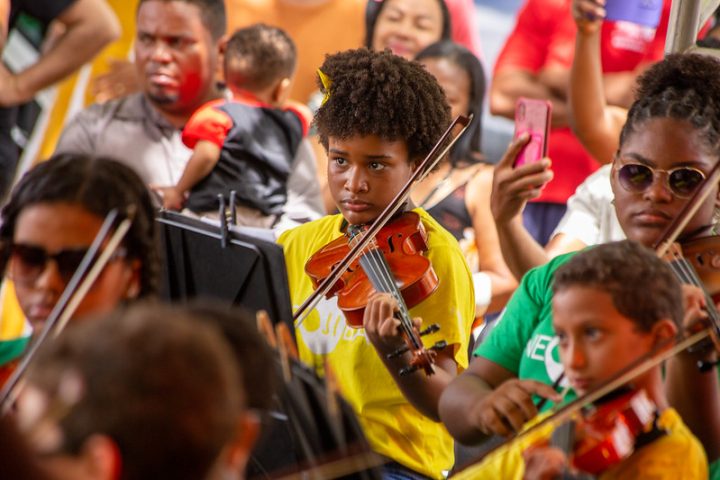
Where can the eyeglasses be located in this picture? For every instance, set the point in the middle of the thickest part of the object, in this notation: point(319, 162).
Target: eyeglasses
point(28, 262)
point(637, 178)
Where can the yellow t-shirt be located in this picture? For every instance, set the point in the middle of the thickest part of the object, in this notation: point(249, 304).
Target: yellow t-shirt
point(393, 427)
point(677, 455)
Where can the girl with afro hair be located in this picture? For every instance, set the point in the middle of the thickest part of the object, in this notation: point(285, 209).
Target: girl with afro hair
point(381, 116)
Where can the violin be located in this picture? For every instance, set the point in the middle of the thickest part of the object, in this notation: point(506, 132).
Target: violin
point(696, 262)
point(402, 243)
point(607, 433)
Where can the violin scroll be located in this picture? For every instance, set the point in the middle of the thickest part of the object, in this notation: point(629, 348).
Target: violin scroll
point(423, 358)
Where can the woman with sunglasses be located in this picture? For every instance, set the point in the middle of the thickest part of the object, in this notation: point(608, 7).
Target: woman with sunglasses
point(669, 144)
point(50, 221)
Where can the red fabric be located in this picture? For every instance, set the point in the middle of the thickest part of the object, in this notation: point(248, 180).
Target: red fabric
point(207, 123)
point(544, 36)
point(212, 125)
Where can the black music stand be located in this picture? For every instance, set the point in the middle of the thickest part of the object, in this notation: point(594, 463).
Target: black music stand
point(221, 262)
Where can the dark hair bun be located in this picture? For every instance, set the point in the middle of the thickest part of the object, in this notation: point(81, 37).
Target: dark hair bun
point(682, 72)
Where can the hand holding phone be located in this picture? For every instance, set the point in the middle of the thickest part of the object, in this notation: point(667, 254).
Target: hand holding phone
point(532, 117)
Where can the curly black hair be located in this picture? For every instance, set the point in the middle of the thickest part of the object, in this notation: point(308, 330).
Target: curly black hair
point(683, 87)
point(378, 93)
point(259, 55)
point(626, 271)
point(98, 185)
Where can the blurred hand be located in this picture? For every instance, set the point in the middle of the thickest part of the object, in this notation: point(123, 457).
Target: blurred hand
point(544, 463)
point(11, 92)
point(513, 187)
point(509, 406)
point(696, 318)
point(172, 198)
point(588, 15)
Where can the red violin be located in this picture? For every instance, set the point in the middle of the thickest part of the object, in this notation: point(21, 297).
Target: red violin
point(402, 243)
point(7, 370)
point(607, 434)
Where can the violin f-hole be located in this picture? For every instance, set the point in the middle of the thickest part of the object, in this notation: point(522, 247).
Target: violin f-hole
point(391, 245)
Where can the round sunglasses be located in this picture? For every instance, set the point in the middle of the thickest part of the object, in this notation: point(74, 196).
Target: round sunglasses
point(637, 178)
point(28, 262)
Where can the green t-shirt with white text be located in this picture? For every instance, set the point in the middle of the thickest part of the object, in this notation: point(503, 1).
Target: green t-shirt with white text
point(523, 341)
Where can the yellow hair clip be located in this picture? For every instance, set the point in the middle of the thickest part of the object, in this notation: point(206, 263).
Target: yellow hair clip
point(326, 83)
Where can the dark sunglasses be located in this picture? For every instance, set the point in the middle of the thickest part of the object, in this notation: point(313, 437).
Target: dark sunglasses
point(637, 178)
point(28, 262)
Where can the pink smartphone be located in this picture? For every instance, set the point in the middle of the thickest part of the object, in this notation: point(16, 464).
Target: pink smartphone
point(532, 116)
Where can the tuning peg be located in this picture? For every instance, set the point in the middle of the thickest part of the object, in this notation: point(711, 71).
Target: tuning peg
point(397, 352)
point(430, 329)
point(408, 370)
point(439, 346)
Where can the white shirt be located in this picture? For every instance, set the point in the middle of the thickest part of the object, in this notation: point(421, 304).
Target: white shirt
point(590, 215)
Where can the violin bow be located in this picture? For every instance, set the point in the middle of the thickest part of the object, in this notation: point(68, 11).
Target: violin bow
point(428, 163)
point(84, 277)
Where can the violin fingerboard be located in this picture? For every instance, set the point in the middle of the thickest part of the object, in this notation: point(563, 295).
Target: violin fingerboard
point(563, 437)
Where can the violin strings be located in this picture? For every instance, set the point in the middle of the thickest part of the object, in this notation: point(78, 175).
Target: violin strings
point(381, 270)
point(405, 320)
point(684, 269)
point(382, 275)
point(709, 304)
